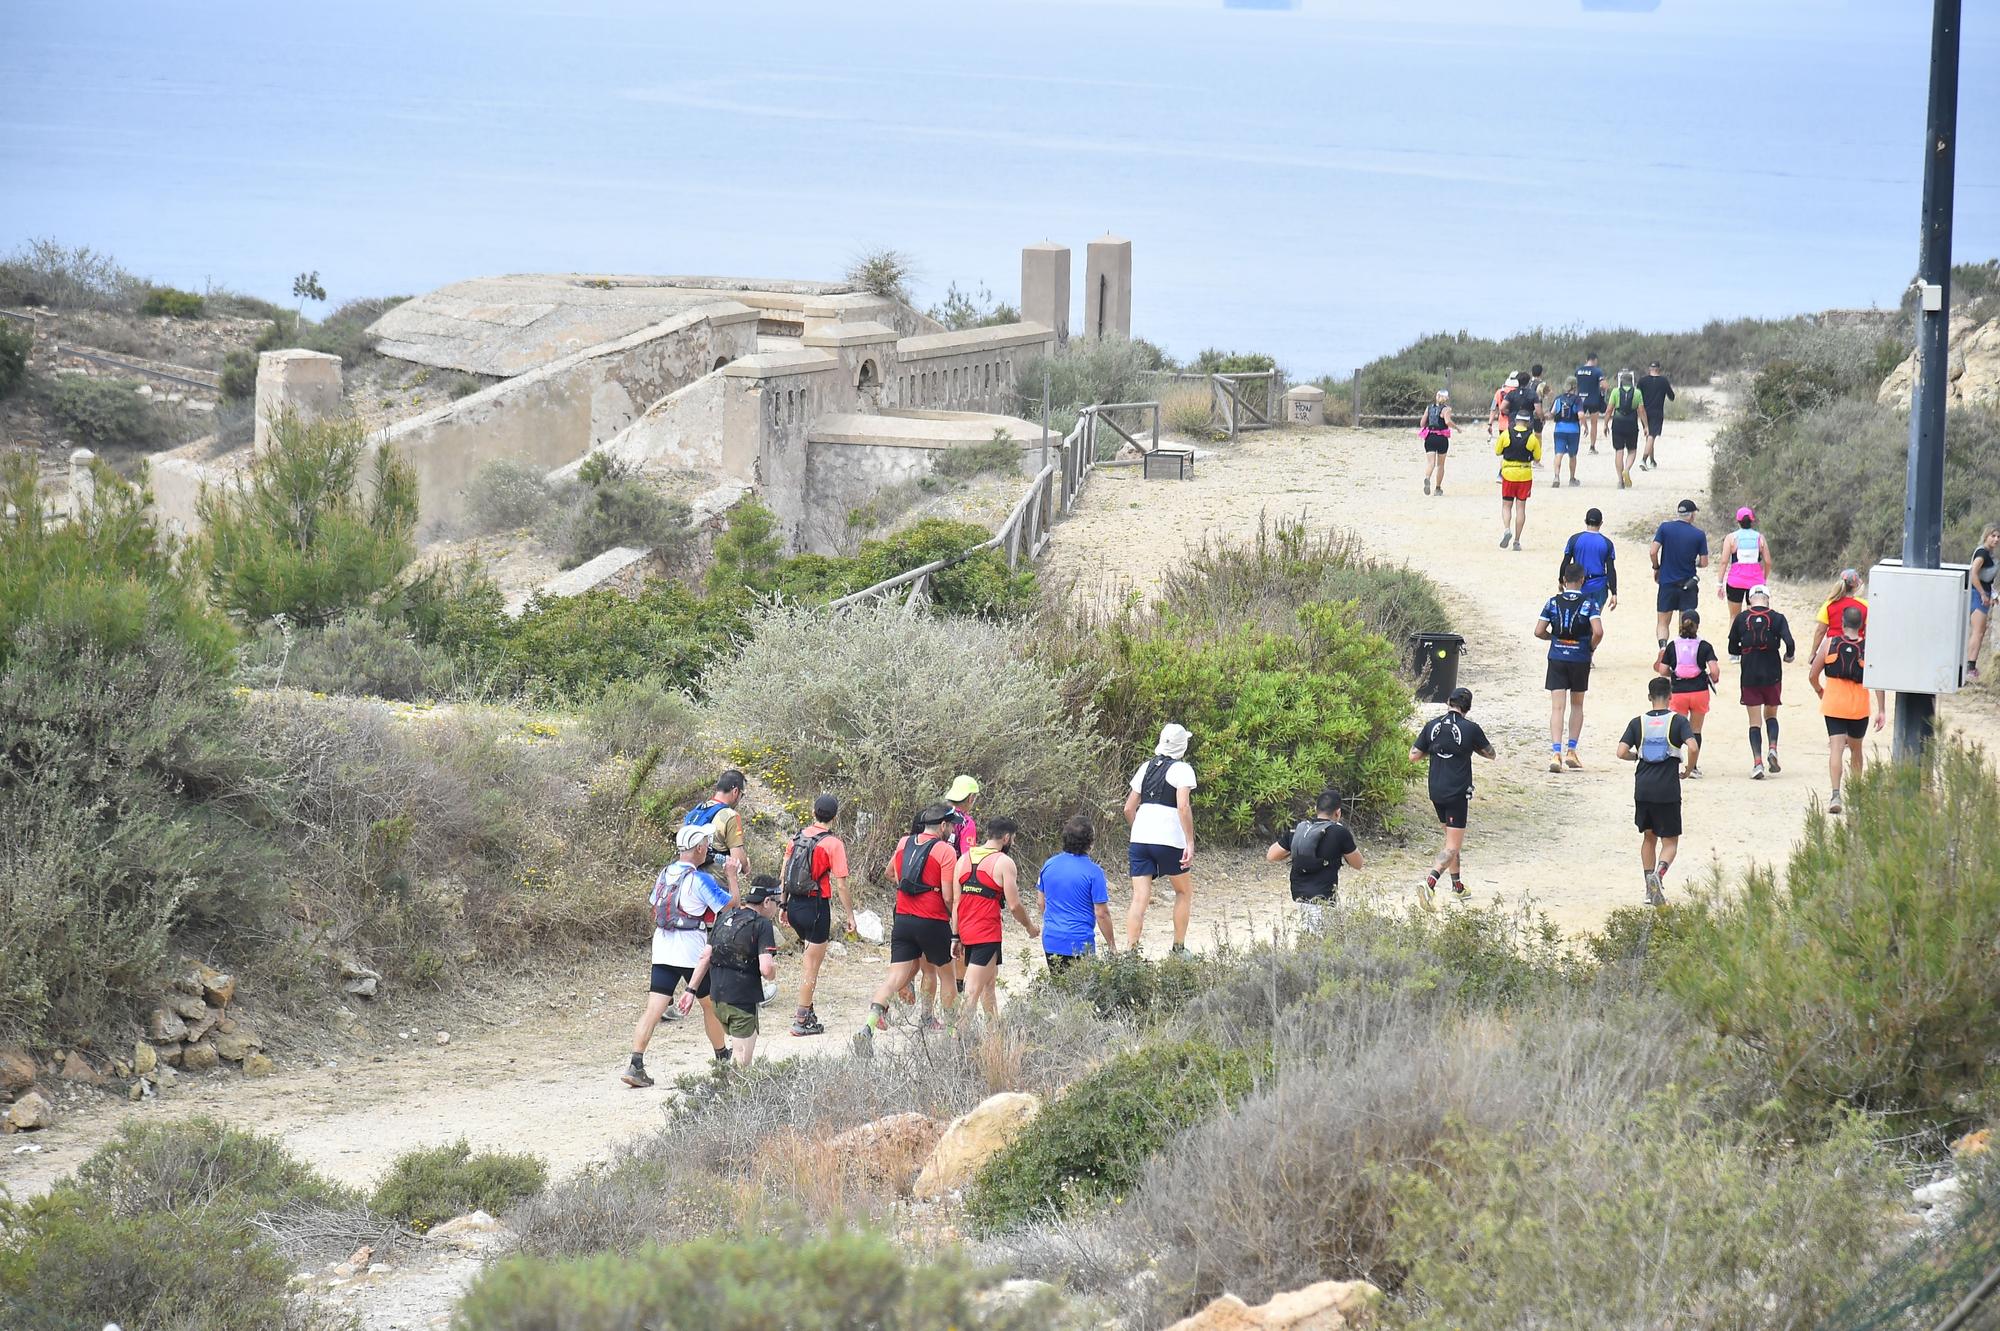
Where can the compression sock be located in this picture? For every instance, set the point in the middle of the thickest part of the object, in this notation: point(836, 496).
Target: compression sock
point(1756, 744)
point(1571, 745)
point(1771, 730)
point(1661, 872)
point(1555, 748)
point(638, 1060)
point(961, 986)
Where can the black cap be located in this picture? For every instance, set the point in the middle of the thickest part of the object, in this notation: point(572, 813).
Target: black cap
point(1460, 699)
point(1594, 518)
point(760, 893)
point(933, 814)
point(1688, 506)
point(825, 809)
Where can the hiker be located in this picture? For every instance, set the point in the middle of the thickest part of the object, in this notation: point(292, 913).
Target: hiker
point(1566, 422)
point(815, 868)
point(1317, 847)
point(1845, 596)
point(1689, 666)
point(1075, 899)
point(1843, 699)
point(991, 880)
point(1592, 551)
point(1746, 561)
point(1654, 392)
point(1160, 808)
point(742, 954)
point(1656, 741)
point(1520, 449)
point(1754, 638)
point(1524, 399)
point(1540, 384)
point(1980, 571)
point(1436, 434)
point(721, 813)
point(1497, 413)
point(1679, 549)
point(1590, 387)
point(1572, 624)
point(1449, 741)
point(963, 830)
point(684, 901)
point(925, 871)
point(1623, 403)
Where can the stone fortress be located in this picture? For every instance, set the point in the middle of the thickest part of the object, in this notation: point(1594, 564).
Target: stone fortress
point(812, 395)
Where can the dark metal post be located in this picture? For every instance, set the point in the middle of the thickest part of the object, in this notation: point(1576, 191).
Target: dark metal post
point(1923, 507)
point(1354, 394)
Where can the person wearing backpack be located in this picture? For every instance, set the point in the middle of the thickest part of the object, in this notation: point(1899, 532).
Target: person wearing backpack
point(1566, 423)
point(1689, 665)
point(1624, 404)
point(1755, 639)
point(1837, 676)
point(1573, 625)
point(815, 867)
point(1519, 449)
point(684, 902)
point(741, 957)
point(1746, 561)
point(1317, 847)
point(989, 882)
point(721, 814)
point(1435, 431)
point(924, 935)
point(1594, 552)
point(1159, 806)
point(1590, 385)
point(1656, 741)
point(963, 829)
point(1680, 550)
point(1449, 741)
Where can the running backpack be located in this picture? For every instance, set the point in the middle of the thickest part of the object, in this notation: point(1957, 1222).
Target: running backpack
point(1844, 661)
point(701, 815)
point(668, 913)
point(1569, 619)
point(1307, 839)
point(1625, 401)
point(733, 944)
point(1687, 659)
point(910, 880)
point(1154, 788)
point(1517, 446)
point(1656, 735)
point(1566, 411)
point(799, 878)
point(1434, 419)
point(978, 885)
point(1757, 632)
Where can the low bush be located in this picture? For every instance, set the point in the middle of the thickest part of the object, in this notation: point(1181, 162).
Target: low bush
point(426, 1187)
point(200, 1163)
point(506, 495)
point(1091, 1143)
point(883, 272)
point(105, 413)
point(1391, 391)
point(960, 310)
point(171, 303)
point(45, 272)
point(1126, 985)
point(1001, 453)
point(1185, 410)
point(749, 554)
point(356, 654)
point(631, 716)
point(1213, 360)
point(608, 507)
point(1083, 372)
point(570, 647)
point(16, 341)
point(239, 376)
point(343, 333)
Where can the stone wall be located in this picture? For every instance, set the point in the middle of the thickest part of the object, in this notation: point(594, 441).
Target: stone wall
point(769, 403)
point(974, 370)
point(682, 429)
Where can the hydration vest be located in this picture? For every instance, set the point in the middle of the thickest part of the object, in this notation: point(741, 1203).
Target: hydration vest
point(668, 913)
point(916, 854)
point(1625, 401)
point(1687, 657)
point(1747, 540)
point(1154, 788)
point(733, 945)
point(1434, 419)
point(1569, 621)
point(1517, 446)
point(978, 884)
point(798, 878)
point(1656, 733)
point(1565, 411)
point(1307, 839)
point(1844, 661)
point(1758, 635)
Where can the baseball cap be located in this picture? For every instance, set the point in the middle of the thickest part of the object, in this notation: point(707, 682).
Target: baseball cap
point(826, 808)
point(761, 891)
point(962, 788)
point(1688, 506)
point(933, 814)
point(1174, 739)
point(1594, 518)
point(692, 835)
point(1654, 366)
point(1746, 512)
point(1760, 593)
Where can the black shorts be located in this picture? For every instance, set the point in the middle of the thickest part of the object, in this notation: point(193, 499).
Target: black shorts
point(1624, 433)
point(1437, 443)
point(1856, 728)
point(1660, 819)
point(811, 918)
point(1653, 424)
point(1059, 962)
point(914, 936)
point(1679, 596)
point(668, 980)
point(982, 954)
point(1736, 594)
point(1593, 406)
point(1571, 675)
point(1452, 812)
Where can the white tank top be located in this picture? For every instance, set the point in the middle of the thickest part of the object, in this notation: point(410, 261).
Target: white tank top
point(1747, 541)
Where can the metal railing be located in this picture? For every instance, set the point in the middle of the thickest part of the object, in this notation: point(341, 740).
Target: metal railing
point(98, 358)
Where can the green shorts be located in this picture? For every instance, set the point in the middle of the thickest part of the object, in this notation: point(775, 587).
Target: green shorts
point(736, 1021)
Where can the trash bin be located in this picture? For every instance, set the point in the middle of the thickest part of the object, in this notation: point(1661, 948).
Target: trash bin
point(1168, 464)
point(1435, 659)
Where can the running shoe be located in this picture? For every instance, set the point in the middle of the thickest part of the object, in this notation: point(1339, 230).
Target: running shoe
point(1459, 891)
point(807, 1023)
point(878, 1017)
point(1771, 761)
point(1574, 481)
point(1654, 896)
point(1693, 774)
point(1972, 672)
point(931, 1025)
point(1427, 485)
point(1571, 761)
point(1177, 950)
point(1439, 491)
point(1505, 537)
point(1427, 895)
point(1555, 763)
point(1756, 771)
point(1517, 545)
point(1833, 804)
point(635, 1077)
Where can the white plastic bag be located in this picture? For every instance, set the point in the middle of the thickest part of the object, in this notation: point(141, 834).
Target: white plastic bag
point(869, 925)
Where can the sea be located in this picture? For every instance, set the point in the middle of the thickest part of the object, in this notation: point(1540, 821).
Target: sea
point(1322, 180)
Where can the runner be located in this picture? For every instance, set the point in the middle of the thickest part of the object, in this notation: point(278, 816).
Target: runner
point(1075, 900)
point(1981, 574)
point(963, 830)
point(1590, 386)
point(1317, 847)
point(815, 866)
point(1623, 404)
point(1843, 699)
point(1436, 434)
point(1497, 413)
point(1520, 448)
point(991, 880)
point(1525, 399)
point(1566, 420)
point(1160, 808)
point(1540, 384)
point(1449, 741)
point(1689, 666)
point(1572, 624)
point(741, 957)
point(1754, 638)
point(1654, 391)
point(720, 811)
point(684, 901)
point(1845, 596)
point(925, 871)
point(1656, 742)
point(1679, 548)
point(1592, 551)
point(1746, 561)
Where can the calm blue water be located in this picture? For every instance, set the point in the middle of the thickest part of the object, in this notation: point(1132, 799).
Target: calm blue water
point(1323, 183)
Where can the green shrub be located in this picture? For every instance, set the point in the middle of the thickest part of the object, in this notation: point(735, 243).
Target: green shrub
point(1083, 372)
point(46, 272)
point(172, 303)
point(1125, 984)
point(506, 495)
point(1186, 410)
point(608, 507)
point(1396, 392)
point(239, 376)
point(748, 1283)
point(1868, 979)
point(960, 310)
point(1001, 453)
point(343, 333)
point(982, 585)
point(16, 341)
point(106, 413)
point(883, 272)
point(1091, 1143)
point(301, 535)
point(354, 654)
point(426, 1187)
point(1213, 360)
point(572, 646)
point(631, 716)
point(200, 1164)
point(750, 552)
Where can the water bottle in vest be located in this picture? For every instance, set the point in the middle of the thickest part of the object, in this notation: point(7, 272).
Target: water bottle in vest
point(1656, 735)
point(1687, 658)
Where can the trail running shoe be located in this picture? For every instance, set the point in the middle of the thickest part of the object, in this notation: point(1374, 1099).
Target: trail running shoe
point(807, 1023)
point(1505, 537)
point(1771, 761)
point(1459, 891)
point(1571, 761)
point(878, 1017)
point(1756, 771)
point(1833, 804)
point(1555, 763)
point(1574, 481)
point(1427, 485)
point(1439, 492)
point(1693, 774)
point(635, 1077)
point(1428, 893)
point(1654, 896)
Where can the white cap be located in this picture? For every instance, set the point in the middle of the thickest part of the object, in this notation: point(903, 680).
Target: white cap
point(1760, 593)
point(1173, 740)
point(692, 835)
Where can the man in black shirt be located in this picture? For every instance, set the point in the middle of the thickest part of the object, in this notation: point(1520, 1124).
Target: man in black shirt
point(1757, 643)
point(1523, 400)
point(742, 953)
point(1657, 741)
point(1449, 741)
point(1654, 390)
point(1317, 848)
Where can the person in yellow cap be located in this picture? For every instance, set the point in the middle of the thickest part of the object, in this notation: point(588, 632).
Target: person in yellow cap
point(962, 831)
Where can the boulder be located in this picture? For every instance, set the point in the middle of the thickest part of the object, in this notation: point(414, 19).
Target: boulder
point(362, 986)
point(218, 988)
point(188, 979)
point(201, 1027)
point(30, 1113)
point(890, 1148)
point(235, 1041)
point(473, 1230)
point(259, 1065)
point(974, 1138)
point(199, 1057)
point(1973, 1143)
point(77, 1068)
point(1326, 1306)
point(17, 1072)
point(1972, 368)
point(162, 1077)
point(189, 1007)
point(171, 1054)
point(144, 1058)
point(164, 1026)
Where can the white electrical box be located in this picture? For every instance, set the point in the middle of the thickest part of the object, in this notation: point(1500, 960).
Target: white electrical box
point(1917, 622)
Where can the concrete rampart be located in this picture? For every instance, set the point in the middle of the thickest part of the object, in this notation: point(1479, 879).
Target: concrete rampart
point(852, 457)
point(970, 371)
point(682, 429)
point(769, 404)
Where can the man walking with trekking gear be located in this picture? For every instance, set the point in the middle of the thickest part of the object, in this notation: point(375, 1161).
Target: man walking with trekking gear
point(1572, 625)
point(1566, 423)
point(721, 815)
point(1837, 677)
point(1519, 449)
point(924, 934)
point(1160, 807)
point(1657, 741)
point(1592, 551)
point(1590, 387)
point(815, 868)
point(1317, 847)
point(1654, 392)
point(1449, 741)
point(1679, 549)
point(1624, 404)
point(990, 881)
point(684, 902)
point(1755, 638)
point(741, 957)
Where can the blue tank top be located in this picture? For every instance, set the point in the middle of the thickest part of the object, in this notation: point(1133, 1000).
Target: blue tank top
point(1746, 545)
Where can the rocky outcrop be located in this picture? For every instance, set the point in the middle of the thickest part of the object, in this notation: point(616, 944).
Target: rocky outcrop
point(17, 1072)
point(1327, 1306)
point(889, 1148)
point(1972, 372)
point(30, 1113)
point(975, 1137)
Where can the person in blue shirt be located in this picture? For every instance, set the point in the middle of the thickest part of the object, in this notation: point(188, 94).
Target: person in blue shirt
point(1566, 423)
point(1075, 900)
point(686, 900)
point(1572, 626)
point(1679, 549)
point(1592, 551)
point(1590, 387)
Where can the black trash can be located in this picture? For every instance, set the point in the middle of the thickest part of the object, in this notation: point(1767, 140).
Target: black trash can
point(1435, 658)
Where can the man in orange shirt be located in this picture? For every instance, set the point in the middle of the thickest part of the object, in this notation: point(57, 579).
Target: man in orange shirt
point(1843, 699)
point(925, 933)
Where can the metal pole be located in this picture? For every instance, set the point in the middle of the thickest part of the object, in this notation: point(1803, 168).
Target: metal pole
point(1354, 385)
point(1923, 507)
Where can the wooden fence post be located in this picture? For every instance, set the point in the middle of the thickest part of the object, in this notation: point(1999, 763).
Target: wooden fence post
point(1354, 386)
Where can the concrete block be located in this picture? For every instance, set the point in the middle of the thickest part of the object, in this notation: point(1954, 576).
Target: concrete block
point(82, 482)
point(1305, 405)
point(1045, 287)
point(1107, 288)
point(305, 382)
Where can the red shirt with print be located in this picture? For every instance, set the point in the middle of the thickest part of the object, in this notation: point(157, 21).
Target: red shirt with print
point(940, 867)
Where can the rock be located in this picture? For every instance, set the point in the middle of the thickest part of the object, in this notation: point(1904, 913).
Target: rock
point(136, 1091)
point(144, 1058)
point(162, 1077)
point(32, 1112)
point(218, 988)
point(473, 1230)
point(189, 1007)
point(235, 1044)
point(837, 950)
point(76, 1068)
point(197, 1029)
point(1013, 1293)
point(171, 1054)
point(199, 1057)
point(259, 1065)
point(120, 1068)
point(1973, 1143)
point(1940, 1193)
point(1972, 368)
point(974, 1138)
point(362, 1256)
point(362, 986)
point(891, 1147)
point(17, 1072)
point(345, 1270)
point(188, 979)
point(444, 1037)
point(1326, 1306)
point(164, 1026)
point(379, 1268)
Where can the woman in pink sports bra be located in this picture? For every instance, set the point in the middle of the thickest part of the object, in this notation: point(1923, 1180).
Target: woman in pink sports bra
point(1746, 561)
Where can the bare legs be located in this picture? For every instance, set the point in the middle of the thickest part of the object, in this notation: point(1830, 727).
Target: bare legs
point(1142, 896)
